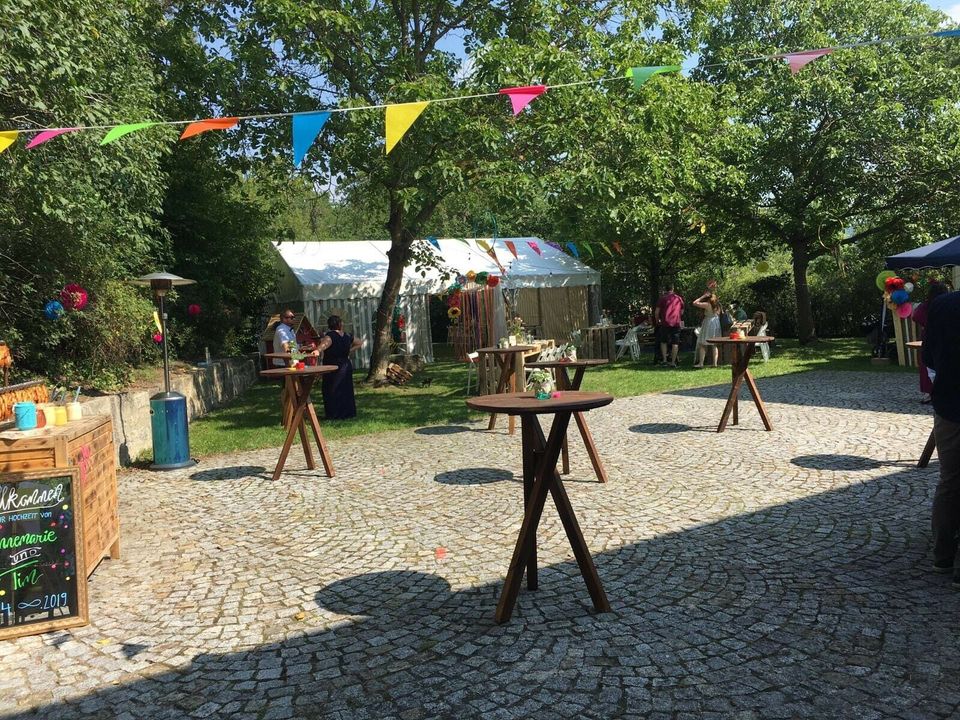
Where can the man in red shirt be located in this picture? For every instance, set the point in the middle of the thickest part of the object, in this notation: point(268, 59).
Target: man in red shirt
point(667, 319)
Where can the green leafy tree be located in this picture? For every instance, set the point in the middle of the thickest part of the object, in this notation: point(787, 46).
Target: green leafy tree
point(860, 144)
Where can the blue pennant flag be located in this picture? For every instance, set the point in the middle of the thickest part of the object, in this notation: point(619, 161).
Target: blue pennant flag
point(433, 241)
point(306, 127)
point(573, 250)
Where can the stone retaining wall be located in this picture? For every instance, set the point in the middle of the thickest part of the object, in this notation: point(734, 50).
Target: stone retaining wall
point(205, 388)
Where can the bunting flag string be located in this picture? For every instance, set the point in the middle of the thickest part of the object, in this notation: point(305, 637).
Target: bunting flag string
point(306, 128)
point(520, 97)
point(400, 117)
point(512, 247)
point(534, 247)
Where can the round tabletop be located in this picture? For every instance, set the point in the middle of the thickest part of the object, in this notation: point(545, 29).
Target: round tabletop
point(915, 344)
point(308, 370)
point(742, 341)
point(527, 404)
point(507, 350)
point(567, 363)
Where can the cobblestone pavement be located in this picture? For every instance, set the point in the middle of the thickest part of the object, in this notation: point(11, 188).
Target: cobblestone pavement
point(751, 574)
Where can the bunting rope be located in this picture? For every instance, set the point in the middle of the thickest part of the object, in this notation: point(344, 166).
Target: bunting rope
point(399, 117)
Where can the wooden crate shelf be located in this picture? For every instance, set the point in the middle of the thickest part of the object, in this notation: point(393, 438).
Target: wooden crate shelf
point(86, 444)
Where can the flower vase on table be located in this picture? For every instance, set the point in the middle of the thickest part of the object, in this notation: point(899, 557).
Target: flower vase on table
point(541, 384)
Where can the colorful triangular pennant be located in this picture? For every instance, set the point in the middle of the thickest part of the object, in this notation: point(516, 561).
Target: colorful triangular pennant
point(433, 241)
point(482, 244)
point(7, 138)
point(202, 126)
point(520, 97)
point(42, 137)
point(586, 246)
point(511, 246)
point(399, 118)
point(641, 74)
point(799, 60)
point(606, 249)
point(616, 246)
point(306, 127)
point(493, 254)
point(573, 250)
point(120, 130)
point(534, 247)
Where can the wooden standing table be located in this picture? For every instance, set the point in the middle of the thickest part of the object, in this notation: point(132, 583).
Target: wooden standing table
point(932, 440)
point(564, 383)
point(743, 349)
point(508, 360)
point(297, 385)
point(540, 476)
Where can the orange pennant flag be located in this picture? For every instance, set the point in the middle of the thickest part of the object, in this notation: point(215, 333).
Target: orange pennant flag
point(511, 246)
point(616, 246)
point(202, 126)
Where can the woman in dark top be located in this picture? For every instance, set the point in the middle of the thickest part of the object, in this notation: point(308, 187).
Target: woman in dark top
point(338, 400)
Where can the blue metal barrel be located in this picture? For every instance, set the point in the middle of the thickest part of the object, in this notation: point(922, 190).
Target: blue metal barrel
point(171, 436)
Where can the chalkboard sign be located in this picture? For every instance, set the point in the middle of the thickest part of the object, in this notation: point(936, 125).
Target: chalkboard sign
point(43, 585)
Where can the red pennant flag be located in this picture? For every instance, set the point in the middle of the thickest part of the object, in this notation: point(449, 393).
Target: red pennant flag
point(799, 60)
point(511, 246)
point(616, 246)
point(520, 97)
point(534, 247)
point(492, 253)
point(202, 126)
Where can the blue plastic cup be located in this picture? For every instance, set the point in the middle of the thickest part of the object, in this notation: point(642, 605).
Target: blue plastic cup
point(25, 415)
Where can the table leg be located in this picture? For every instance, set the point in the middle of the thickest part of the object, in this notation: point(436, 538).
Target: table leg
point(325, 457)
point(737, 371)
point(291, 431)
point(563, 383)
point(511, 365)
point(531, 456)
point(501, 385)
point(927, 451)
point(547, 479)
point(585, 433)
point(302, 430)
point(757, 400)
point(731, 400)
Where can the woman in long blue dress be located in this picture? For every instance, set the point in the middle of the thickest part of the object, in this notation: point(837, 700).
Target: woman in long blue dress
point(338, 400)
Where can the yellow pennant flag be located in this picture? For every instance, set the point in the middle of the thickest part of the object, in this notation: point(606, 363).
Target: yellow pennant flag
point(7, 138)
point(400, 118)
point(156, 321)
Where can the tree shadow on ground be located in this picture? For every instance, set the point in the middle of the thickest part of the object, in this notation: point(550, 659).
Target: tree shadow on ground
point(820, 607)
point(475, 476)
point(235, 472)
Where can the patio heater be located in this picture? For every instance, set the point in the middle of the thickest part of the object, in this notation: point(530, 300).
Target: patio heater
point(168, 410)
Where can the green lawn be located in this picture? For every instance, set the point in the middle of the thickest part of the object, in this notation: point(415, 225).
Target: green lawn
point(252, 421)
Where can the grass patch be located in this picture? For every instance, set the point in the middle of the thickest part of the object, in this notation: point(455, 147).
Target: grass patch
point(252, 421)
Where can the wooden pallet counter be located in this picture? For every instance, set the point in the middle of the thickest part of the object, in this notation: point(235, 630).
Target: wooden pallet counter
point(86, 444)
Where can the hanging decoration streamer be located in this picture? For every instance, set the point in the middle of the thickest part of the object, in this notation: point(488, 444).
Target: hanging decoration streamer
point(305, 130)
point(534, 247)
point(641, 74)
point(203, 126)
point(520, 97)
point(511, 246)
point(121, 130)
point(399, 118)
point(799, 60)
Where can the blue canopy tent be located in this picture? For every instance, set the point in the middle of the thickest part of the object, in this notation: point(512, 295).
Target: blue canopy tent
point(943, 254)
point(937, 255)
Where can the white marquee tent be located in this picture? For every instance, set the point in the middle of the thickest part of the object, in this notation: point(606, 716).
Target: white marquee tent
point(346, 277)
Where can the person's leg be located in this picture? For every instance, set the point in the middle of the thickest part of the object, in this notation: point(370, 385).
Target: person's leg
point(945, 518)
point(675, 350)
point(714, 354)
point(663, 352)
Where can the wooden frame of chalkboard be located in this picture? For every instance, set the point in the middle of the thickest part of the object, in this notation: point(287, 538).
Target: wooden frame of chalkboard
point(43, 579)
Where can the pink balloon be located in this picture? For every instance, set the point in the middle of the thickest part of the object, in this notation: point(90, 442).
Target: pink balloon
point(905, 310)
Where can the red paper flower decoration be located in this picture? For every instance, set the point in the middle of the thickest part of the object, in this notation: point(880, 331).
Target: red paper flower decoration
point(73, 297)
point(493, 280)
point(894, 283)
point(193, 310)
point(157, 338)
point(454, 300)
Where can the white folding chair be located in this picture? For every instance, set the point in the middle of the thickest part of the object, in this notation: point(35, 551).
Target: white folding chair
point(629, 341)
point(472, 359)
point(764, 347)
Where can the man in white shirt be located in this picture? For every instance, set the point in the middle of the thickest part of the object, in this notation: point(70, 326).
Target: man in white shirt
point(284, 338)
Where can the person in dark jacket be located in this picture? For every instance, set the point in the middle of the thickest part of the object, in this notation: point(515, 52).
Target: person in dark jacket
point(338, 398)
point(941, 354)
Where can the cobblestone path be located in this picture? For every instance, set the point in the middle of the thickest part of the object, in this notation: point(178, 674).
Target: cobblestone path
point(751, 574)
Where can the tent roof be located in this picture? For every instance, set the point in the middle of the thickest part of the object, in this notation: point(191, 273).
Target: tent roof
point(357, 268)
point(937, 255)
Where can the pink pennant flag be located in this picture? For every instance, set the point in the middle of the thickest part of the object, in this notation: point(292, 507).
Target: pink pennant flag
point(41, 138)
point(534, 247)
point(798, 60)
point(520, 97)
point(511, 246)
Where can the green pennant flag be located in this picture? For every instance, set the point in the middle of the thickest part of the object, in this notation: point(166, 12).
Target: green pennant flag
point(641, 74)
point(586, 246)
point(608, 251)
point(120, 130)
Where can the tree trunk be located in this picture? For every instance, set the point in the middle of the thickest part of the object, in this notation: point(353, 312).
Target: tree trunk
point(398, 256)
point(655, 272)
point(801, 260)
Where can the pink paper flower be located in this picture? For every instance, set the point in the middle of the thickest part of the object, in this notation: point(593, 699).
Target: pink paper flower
point(73, 297)
point(555, 394)
point(193, 310)
point(157, 338)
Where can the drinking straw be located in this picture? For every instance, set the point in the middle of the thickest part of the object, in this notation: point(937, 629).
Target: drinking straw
point(76, 395)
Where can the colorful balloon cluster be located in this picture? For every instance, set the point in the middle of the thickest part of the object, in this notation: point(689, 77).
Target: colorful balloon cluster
point(896, 293)
point(72, 297)
point(454, 292)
